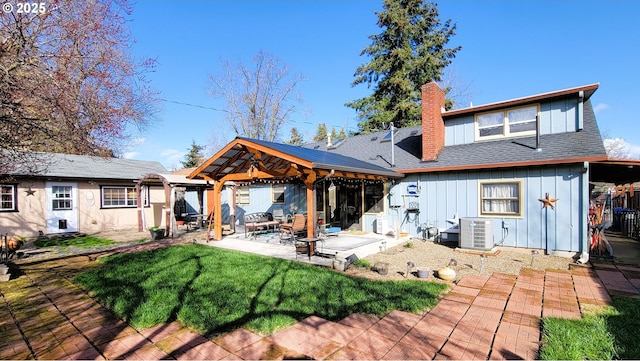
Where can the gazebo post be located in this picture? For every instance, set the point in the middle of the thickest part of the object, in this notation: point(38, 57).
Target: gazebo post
point(167, 205)
point(217, 211)
point(311, 212)
point(140, 220)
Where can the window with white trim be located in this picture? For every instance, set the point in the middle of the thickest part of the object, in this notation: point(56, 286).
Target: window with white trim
point(500, 198)
point(277, 193)
point(122, 196)
point(61, 197)
point(8, 198)
point(242, 195)
point(374, 197)
point(507, 123)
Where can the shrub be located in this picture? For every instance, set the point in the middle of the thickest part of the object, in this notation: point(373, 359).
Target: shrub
point(362, 263)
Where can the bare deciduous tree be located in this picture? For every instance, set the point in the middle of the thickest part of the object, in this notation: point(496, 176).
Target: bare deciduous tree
point(616, 148)
point(67, 81)
point(259, 100)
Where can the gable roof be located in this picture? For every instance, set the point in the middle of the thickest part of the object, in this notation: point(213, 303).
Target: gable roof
point(90, 167)
point(586, 90)
point(282, 160)
point(568, 147)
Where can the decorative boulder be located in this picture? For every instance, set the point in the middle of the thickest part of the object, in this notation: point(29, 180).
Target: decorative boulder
point(447, 274)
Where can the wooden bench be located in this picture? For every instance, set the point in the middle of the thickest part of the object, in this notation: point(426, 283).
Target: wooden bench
point(259, 222)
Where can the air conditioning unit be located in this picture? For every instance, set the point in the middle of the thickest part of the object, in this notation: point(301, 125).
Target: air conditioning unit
point(476, 233)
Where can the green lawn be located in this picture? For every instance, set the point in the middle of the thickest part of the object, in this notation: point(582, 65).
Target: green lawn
point(604, 333)
point(80, 242)
point(214, 290)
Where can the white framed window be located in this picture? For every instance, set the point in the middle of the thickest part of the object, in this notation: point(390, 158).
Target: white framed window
point(501, 198)
point(374, 198)
point(61, 197)
point(8, 198)
point(277, 193)
point(122, 196)
point(507, 123)
point(242, 195)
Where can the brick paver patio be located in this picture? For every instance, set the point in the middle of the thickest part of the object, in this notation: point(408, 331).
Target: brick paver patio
point(45, 316)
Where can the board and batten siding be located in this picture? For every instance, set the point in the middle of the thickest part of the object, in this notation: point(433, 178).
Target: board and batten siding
point(443, 195)
point(260, 200)
point(559, 116)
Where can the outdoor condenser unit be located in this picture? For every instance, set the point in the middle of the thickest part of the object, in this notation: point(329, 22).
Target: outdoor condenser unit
point(476, 233)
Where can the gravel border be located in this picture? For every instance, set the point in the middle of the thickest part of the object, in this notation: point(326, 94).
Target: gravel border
point(435, 256)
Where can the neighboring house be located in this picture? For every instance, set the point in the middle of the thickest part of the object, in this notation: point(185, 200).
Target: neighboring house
point(521, 168)
point(79, 194)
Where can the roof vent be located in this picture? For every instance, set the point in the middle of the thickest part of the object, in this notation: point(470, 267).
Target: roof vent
point(375, 137)
point(414, 132)
point(337, 143)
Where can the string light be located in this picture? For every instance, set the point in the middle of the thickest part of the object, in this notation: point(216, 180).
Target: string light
point(351, 183)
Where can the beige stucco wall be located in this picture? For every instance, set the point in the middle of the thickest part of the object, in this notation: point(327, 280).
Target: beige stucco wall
point(32, 210)
point(30, 217)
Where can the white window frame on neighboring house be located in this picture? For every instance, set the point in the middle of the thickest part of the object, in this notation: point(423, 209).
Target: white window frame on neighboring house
point(9, 198)
point(499, 198)
point(277, 193)
point(505, 123)
point(129, 199)
point(243, 195)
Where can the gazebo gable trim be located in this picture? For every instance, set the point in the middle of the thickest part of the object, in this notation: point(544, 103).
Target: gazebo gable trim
point(273, 162)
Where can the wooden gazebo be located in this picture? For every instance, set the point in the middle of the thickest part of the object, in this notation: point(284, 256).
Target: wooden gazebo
point(246, 160)
point(168, 182)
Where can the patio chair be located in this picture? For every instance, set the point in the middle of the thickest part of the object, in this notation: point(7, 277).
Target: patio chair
point(278, 215)
point(288, 231)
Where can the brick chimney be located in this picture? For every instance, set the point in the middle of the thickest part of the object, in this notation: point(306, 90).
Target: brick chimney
point(432, 124)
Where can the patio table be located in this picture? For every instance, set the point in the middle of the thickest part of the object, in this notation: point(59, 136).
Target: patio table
point(310, 246)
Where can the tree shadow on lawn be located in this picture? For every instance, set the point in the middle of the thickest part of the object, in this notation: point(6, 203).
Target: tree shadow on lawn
point(624, 327)
point(214, 290)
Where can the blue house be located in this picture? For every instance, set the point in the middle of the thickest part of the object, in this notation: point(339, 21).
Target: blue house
point(513, 173)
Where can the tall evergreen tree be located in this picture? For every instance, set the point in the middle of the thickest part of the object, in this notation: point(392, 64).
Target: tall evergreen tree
point(321, 133)
point(334, 134)
point(409, 52)
point(296, 137)
point(194, 157)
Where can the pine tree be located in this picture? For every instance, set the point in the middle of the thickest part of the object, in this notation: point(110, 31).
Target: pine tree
point(408, 53)
point(296, 137)
point(334, 134)
point(194, 158)
point(321, 133)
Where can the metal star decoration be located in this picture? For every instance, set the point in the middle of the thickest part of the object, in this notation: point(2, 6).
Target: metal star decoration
point(30, 192)
point(548, 201)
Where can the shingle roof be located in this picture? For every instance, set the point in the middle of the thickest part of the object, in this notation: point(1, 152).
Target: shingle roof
point(90, 167)
point(327, 159)
point(556, 148)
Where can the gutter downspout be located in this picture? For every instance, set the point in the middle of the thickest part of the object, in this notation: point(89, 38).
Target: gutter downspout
point(585, 230)
point(580, 114)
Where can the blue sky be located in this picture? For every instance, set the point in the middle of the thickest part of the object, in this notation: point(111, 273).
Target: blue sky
point(510, 49)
